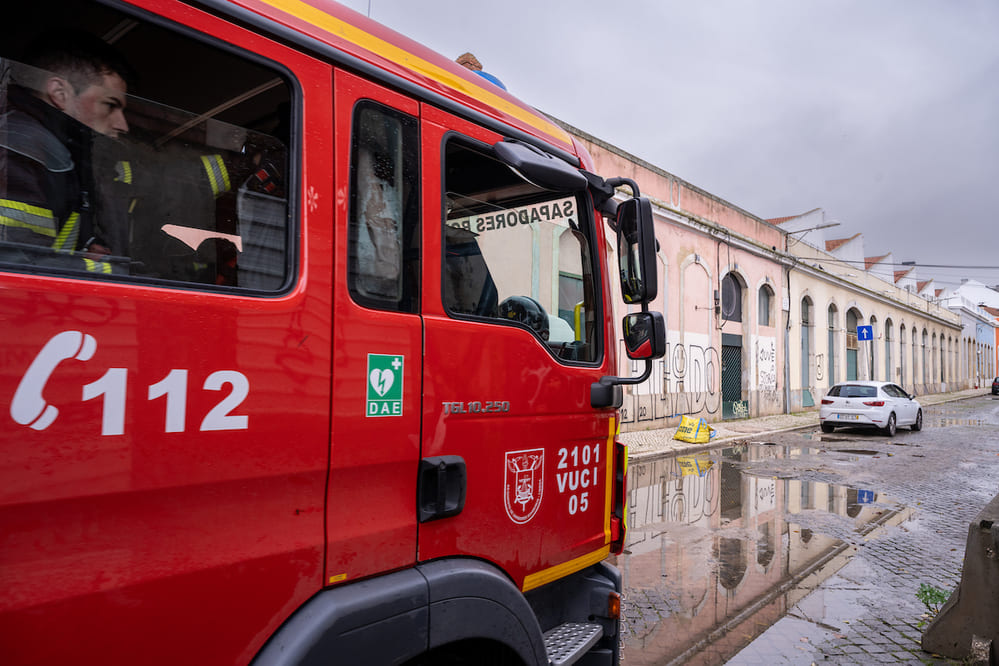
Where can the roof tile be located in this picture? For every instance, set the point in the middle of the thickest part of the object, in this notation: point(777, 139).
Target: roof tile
point(839, 242)
point(871, 261)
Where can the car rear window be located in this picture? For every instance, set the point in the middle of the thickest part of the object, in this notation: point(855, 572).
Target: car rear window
point(852, 391)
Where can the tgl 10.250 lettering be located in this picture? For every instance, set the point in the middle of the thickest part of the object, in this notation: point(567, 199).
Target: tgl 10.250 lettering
point(582, 466)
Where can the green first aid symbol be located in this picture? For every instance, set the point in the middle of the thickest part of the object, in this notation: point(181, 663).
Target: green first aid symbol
point(384, 385)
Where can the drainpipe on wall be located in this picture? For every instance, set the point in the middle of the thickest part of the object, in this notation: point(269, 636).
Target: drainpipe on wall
point(787, 330)
point(787, 340)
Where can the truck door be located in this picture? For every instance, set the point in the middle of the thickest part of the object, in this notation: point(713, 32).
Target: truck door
point(377, 333)
point(513, 340)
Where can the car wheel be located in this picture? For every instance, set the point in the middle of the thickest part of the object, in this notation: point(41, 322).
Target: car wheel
point(826, 427)
point(918, 425)
point(890, 429)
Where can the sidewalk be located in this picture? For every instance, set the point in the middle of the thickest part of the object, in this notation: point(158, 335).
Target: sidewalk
point(649, 443)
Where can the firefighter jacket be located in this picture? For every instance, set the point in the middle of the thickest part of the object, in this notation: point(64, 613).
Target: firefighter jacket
point(47, 198)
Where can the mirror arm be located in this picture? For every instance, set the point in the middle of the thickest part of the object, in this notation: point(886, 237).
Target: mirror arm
point(602, 190)
point(607, 392)
point(610, 380)
point(614, 182)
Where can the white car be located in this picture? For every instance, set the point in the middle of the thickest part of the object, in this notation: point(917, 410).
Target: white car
point(880, 405)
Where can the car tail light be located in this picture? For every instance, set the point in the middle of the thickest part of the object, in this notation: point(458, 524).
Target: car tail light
point(874, 403)
point(826, 402)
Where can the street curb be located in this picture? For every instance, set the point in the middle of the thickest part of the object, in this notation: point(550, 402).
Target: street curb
point(684, 448)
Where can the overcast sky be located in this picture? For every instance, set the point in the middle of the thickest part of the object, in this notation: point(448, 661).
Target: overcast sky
point(883, 113)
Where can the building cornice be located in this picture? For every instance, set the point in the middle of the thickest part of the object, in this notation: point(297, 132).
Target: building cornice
point(794, 262)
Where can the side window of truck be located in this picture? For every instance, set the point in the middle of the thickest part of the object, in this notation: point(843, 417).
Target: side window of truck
point(180, 177)
point(516, 254)
point(384, 240)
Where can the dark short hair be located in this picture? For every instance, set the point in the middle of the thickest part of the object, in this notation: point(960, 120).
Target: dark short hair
point(80, 57)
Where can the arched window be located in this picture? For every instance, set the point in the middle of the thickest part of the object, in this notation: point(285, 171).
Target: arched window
point(731, 298)
point(763, 306)
point(731, 557)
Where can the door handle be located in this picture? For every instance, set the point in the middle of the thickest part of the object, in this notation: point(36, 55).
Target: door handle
point(440, 488)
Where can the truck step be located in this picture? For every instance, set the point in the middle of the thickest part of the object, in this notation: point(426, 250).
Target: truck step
point(568, 642)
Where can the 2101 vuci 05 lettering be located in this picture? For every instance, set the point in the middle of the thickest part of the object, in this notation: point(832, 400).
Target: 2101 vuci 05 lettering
point(476, 407)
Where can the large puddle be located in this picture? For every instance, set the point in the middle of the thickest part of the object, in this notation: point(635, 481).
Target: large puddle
point(715, 555)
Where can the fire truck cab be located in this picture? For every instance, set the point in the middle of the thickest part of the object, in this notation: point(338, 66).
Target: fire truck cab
point(314, 362)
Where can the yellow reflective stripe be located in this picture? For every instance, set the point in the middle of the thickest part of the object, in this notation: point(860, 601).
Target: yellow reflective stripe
point(123, 172)
point(551, 574)
point(68, 235)
point(218, 175)
point(350, 33)
point(609, 476)
point(24, 216)
point(97, 266)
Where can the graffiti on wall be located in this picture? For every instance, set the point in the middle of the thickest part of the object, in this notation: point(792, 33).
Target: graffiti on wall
point(766, 364)
point(687, 382)
point(684, 381)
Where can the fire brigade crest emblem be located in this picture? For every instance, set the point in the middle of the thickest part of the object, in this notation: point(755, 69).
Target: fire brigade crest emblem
point(523, 484)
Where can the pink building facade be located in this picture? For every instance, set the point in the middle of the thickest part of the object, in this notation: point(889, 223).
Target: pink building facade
point(720, 273)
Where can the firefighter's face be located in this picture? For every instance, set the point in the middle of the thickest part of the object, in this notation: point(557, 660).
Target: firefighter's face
point(100, 106)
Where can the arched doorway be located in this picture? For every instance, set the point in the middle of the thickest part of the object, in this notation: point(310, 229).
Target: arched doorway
point(731, 352)
point(901, 354)
point(852, 347)
point(832, 325)
point(872, 350)
point(889, 374)
point(806, 352)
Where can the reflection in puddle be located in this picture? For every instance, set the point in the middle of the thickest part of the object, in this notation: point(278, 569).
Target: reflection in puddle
point(715, 556)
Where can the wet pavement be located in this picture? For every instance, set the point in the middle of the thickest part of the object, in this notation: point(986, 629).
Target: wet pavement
point(796, 547)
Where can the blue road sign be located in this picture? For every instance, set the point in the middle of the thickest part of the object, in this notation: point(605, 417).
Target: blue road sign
point(865, 332)
point(865, 496)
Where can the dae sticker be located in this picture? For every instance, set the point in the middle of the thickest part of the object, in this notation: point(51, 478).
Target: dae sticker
point(523, 484)
point(384, 385)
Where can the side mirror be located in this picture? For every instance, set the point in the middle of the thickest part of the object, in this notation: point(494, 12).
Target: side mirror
point(644, 335)
point(636, 250)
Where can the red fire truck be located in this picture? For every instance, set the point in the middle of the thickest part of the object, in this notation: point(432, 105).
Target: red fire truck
point(307, 347)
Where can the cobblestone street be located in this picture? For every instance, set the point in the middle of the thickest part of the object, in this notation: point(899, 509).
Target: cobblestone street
point(897, 517)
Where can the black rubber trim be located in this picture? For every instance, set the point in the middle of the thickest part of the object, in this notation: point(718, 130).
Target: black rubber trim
point(396, 617)
point(377, 621)
point(470, 599)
